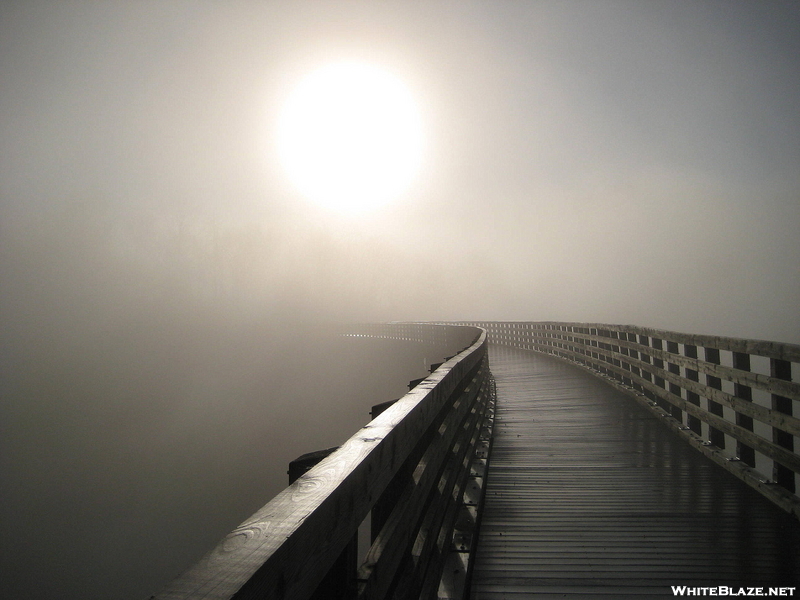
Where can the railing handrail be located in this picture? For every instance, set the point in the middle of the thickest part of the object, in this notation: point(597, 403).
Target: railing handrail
point(286, 548)
point(769, 349)
point(752, 411)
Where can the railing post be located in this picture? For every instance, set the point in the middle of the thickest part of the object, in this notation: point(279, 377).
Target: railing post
point(386, 503)
point(722, 408)
point(645, 357)
point(340, 582)
point(674, 411)
point(715, 436)
point(303, 543)
point(693, 422)
point(635, 357)
point(747, 454)
point(388, 500)
point(658, 363)
point(782, 369)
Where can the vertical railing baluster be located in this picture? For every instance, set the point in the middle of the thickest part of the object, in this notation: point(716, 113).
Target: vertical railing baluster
point(741, 361)
point(645, 357)
point(667, 379)
point(715, 436)
point(674, 368)
point(659, 364)
point(635, 357)
point(693, 422)
point(782, 369)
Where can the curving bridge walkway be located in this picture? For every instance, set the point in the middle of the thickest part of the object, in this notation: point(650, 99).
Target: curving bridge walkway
point(588, 497)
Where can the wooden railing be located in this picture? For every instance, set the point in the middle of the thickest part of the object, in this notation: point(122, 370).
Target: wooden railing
point(417, 467)
point(733, 399)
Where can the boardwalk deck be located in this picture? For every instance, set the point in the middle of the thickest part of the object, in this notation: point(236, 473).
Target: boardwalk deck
point(588, 497)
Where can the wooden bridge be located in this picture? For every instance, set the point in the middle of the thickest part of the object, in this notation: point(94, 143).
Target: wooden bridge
point(571, 486)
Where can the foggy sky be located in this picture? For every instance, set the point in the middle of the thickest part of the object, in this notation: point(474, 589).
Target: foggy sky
point(613, 161)
point(620, 162)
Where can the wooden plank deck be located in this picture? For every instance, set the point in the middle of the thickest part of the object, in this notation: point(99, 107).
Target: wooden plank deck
point(588, 497)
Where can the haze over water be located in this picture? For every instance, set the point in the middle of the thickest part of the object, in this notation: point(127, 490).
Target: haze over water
point(126, 463)
point(164, 287)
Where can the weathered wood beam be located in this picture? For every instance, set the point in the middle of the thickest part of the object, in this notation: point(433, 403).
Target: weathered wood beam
point(635, 360)
point(285, 549)
point(394, 541)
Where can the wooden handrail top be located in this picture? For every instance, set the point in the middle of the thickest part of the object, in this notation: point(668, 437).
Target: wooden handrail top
point(287, 546)
point(769, 349)
point(737, 411)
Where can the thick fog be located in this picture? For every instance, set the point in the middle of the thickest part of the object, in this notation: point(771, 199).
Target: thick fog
point(169, 301)
point(613, 161)
point(127, 455)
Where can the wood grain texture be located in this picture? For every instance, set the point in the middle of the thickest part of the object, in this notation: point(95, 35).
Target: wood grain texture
point(462, 467)
point(778, 350)
point(287, 546)
point(393, 546)
point(665, 366)
point(435, 534)
point(588, 497)
point(764, 414)
point(775, 493)
point(763, 445)
point(769, 384)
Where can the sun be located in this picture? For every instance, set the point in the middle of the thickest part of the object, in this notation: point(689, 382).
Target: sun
point(350, 137)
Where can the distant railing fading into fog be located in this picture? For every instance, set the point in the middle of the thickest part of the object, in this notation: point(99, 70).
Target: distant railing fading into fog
point(733, 399)
point(417, 467)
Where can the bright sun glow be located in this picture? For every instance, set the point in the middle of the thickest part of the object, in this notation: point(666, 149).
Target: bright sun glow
point(350, 137)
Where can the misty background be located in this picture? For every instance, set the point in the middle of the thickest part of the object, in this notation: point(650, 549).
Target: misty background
point(169, 303)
